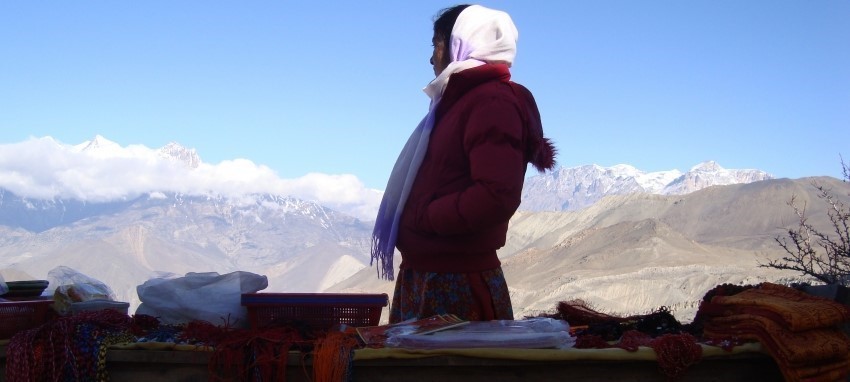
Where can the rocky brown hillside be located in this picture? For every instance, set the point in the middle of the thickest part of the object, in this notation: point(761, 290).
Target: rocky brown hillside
point(632, 254)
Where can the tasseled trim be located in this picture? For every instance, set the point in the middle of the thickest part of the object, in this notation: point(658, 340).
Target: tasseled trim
point(254, 355)
point(332, 356)
point(71, 348)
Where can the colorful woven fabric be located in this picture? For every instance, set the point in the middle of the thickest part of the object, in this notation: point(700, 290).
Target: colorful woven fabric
point(800, 331)
point(67, 349)
point(792, 308)
point(788, 347)
point(73, 348)
point(477, 296)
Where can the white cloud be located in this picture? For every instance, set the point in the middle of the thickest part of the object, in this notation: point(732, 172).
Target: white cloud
point(43, 168)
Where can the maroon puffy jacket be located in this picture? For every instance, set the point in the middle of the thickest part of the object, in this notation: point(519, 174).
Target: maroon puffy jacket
point(469, 185)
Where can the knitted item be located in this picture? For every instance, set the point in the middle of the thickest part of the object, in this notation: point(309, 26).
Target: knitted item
point(676, 353)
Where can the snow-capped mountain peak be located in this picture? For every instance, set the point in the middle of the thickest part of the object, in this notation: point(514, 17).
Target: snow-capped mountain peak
point(568, 189)
point(176, 152)
point(622, 170)
point(99, 145)
point(710, 173)
point(654, 182)
point(707, 166)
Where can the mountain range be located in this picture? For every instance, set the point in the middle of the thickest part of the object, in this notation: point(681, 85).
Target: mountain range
point(300, 246)
point(623, 240)
point(635, 253)
point(574, 188)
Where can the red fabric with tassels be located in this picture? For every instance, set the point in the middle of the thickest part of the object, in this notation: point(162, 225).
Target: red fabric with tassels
point(254, 355)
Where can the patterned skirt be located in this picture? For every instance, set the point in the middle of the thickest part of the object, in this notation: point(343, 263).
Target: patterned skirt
point(475, 296)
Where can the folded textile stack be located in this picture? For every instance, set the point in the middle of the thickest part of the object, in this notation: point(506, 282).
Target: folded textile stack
point(801, 332)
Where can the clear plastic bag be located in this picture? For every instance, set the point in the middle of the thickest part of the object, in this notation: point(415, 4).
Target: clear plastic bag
point(73, 286)
point(533, 333)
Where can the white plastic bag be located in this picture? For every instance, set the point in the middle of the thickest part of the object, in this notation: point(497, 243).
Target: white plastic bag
point(206, 296)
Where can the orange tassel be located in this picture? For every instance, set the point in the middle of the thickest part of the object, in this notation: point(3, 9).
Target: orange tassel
point(332, 356)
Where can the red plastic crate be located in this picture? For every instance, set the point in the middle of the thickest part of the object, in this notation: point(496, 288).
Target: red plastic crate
point(16, 316)
point(317, 310)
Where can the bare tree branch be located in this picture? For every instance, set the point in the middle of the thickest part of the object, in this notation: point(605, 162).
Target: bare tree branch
point(821, 255)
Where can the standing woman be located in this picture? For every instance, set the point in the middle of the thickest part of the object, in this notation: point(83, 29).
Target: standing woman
point(459, 177)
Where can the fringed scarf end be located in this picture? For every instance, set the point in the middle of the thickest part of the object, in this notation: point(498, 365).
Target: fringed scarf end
point(384, 259)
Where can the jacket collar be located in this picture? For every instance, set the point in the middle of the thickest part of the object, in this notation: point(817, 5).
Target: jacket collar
point(462, 82)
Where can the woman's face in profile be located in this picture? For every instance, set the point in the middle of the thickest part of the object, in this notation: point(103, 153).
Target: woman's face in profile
point(439, 60)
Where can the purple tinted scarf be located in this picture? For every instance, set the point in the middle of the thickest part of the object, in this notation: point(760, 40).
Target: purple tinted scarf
point(395, 196)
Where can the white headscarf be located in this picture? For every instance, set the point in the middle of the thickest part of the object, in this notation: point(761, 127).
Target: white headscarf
point(479, 35)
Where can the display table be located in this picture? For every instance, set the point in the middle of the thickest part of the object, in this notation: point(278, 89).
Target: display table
point(745, 363)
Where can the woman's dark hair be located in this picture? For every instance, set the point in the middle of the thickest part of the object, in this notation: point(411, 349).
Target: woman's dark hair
point(444, 22)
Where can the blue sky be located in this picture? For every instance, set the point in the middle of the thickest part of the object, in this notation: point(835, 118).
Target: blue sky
point(334, 87)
